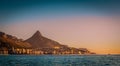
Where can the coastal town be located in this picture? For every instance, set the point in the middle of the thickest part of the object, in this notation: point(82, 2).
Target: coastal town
point(12, 45)
point(38, 51)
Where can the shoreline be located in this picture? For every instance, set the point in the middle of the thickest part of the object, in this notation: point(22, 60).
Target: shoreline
point(63, 54)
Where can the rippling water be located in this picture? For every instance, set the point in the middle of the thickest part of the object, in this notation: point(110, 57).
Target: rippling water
point(60, 60)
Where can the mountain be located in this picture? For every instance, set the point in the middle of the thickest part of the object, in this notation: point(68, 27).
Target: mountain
point(36, 43)
point(9, 41)
point(39, 41)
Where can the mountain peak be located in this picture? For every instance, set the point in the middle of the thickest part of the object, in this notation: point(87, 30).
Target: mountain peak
point(39, 41)
point(38, 33)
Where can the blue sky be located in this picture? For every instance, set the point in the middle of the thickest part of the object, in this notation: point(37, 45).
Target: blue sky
point(12, 10)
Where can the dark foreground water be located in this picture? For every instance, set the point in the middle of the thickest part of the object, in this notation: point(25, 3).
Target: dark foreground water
point(60, 60)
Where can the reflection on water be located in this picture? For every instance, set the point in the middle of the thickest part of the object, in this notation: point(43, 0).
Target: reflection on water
point(60, 60)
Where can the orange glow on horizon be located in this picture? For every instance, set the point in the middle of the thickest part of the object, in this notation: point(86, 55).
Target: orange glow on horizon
point(97, 33)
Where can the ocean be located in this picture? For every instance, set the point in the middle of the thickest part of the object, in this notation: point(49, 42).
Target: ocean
point(59, 60)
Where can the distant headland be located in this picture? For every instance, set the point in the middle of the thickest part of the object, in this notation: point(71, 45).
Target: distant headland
point(36, 45)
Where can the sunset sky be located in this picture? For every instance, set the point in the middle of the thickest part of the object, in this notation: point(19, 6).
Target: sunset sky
point(92, 24)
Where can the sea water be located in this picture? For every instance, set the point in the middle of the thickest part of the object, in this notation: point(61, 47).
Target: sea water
point(59, 60)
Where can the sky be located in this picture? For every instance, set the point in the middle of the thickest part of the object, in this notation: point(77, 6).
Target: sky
point(91, 24)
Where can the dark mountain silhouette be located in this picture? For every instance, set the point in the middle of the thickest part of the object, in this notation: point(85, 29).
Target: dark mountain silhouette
point(11, 44)
point(9, 41)
point(39, 41)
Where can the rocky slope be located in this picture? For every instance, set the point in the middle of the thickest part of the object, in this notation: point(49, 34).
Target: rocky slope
point(35, 43)
point(9, 41)
point(39, 41)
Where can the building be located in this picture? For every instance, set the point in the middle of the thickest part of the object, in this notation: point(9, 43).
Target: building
point(4, 50)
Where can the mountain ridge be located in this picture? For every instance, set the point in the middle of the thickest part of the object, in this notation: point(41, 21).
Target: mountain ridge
point(39, 41)
point(36, 44)
point(10, 41)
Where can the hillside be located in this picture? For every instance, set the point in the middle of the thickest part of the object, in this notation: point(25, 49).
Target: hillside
point(37, 44)
point(39, 41)
point(9, 41)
